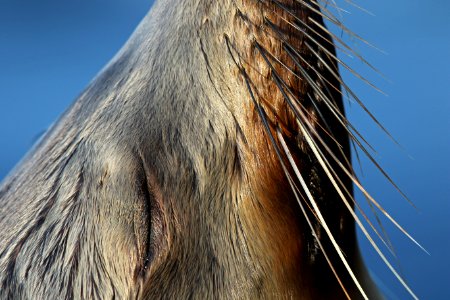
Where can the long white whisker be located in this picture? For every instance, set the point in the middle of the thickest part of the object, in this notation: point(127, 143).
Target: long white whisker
point(313, 147)
point(320, 216)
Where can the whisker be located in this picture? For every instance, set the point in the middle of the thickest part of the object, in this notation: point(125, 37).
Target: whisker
point(301, 117)
point(313, 202)
point(337, 23)
point(319, 157)
point(330, 104)
point(346, 46)
point(326, 88)
point(367, 194)
point(321, 218)
point(360, 7)
point(291, 183)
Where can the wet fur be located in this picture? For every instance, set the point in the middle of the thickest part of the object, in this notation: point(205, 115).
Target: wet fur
point(165, 180)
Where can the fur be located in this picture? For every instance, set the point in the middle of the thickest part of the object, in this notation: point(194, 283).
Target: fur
point(160, 181)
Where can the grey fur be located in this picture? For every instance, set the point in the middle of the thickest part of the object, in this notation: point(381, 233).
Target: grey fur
point(79, 216)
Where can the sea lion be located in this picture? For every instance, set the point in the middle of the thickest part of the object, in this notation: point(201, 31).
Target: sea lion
point(210, 159)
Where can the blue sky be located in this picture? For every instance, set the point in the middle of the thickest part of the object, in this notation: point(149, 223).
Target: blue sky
point(50, 50)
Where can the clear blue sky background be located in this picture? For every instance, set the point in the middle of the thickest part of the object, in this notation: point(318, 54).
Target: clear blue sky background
point(50, 50)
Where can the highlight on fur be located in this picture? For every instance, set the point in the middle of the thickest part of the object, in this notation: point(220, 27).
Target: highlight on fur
point(315, 69)
point(214, 144)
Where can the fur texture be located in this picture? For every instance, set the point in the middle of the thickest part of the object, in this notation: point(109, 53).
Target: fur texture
point(161, 180)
